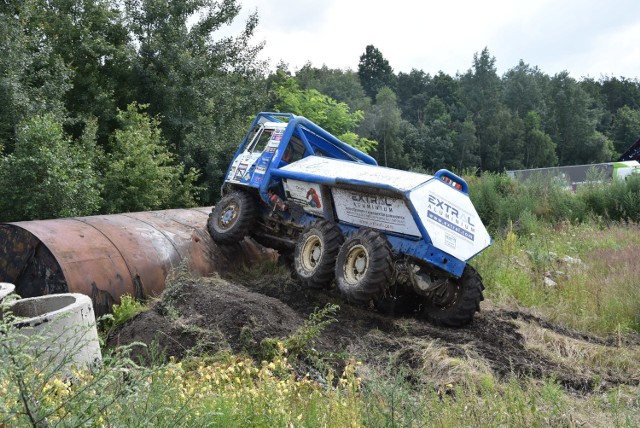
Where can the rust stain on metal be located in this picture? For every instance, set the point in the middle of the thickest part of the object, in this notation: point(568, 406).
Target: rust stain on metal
point(106, 256)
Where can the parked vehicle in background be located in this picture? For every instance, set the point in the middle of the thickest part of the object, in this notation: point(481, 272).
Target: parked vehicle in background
point(573, 176)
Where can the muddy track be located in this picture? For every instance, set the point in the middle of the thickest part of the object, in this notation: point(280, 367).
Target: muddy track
point(235, 314)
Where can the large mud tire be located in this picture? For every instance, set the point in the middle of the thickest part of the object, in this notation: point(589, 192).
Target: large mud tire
point(364, 268)
point(316, 252)
point(458, 303)
point(231, 218)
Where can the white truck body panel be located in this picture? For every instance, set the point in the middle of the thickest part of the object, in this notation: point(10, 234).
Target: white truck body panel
point(347, 171)
point(378, 212)
point(451, 220)
point(447, 214)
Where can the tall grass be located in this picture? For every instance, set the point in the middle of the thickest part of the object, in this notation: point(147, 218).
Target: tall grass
point(595, 274)
point(501, 201)
point(235, 391)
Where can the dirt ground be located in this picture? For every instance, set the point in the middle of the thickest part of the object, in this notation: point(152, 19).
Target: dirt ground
point(234, 312)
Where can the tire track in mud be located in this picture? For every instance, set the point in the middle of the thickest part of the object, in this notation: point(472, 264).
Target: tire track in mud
point(236, 314)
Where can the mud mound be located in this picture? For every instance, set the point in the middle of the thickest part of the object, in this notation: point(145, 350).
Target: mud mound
point(206, 316)
point(236, 313)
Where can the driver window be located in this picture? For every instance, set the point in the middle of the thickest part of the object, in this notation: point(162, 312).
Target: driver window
point(297, 149)
point(260, 141)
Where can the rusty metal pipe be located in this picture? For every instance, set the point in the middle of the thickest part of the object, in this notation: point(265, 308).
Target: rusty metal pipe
point(107, 256)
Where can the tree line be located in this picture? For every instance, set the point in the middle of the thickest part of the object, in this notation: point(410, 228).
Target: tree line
point(123, 105)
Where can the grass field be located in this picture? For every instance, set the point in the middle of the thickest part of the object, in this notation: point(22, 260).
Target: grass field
point(586, 323)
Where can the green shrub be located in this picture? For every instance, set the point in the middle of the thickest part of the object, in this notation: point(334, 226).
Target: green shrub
point(128, 308)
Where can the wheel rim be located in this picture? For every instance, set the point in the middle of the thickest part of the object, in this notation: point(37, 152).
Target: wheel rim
point(356, 264)
point(311, 253)
point(229, 216)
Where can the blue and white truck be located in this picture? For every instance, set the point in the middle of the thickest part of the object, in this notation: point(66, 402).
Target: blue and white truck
point(382, 235)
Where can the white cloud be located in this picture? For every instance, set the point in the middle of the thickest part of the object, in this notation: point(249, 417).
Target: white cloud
point(584, 37)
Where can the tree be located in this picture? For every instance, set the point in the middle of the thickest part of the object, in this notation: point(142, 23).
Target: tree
point(572, 124)
point(140, 172)
point(539, 149)
point(91, 38)
point(204, 87)
point(465, 146)
point(625, 129)
point(383, 123)
point(333, 116)
point(481, 93)
point(506, 136)
point(620, 92)
point(374, 72)
point(412, 94)
point(48, 175)
point(33, 77)
point(525, 89)
point(439, 136)
point(341, 85)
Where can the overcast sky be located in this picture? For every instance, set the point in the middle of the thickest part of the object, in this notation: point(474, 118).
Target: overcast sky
point(591, 38)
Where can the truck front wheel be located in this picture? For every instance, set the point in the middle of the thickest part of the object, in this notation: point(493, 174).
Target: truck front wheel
point(316, 252)
point(364, 268)
point(231, 218)
point(456, 302)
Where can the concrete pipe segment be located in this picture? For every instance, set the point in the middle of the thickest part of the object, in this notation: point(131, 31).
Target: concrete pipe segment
point(6, 289)
point(65, 326)
point(106, 257)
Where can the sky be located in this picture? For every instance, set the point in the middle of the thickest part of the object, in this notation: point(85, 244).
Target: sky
point(587, 38)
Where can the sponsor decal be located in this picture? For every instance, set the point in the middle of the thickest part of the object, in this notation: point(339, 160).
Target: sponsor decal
point(446, 214)
point(450, 240)
point(313, 199)
point(380, 212)
point(306, 194)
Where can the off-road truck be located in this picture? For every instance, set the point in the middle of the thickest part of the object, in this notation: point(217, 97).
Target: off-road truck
point(385, 236)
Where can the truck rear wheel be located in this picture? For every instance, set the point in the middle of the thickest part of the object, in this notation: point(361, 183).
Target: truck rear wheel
point(455, 304)
point(231, 218)
point(364, 267)
point(316, 252)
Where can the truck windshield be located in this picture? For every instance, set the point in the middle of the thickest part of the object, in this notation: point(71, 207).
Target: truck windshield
point(260, 140)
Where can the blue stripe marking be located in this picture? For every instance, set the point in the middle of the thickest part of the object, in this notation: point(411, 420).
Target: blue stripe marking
point(446, 223)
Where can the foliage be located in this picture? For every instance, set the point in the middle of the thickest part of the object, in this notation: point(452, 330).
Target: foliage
point(480, 92)
point(127, 309)
point(341, 85)
point(584, 261)
point(33, 77)
point(374, 72)
point(83, 60)
point(48, 175)
point(41, 388)
point(298, 345)
point(501, 201)
point(233, 391)
point(383, 124)
point(625, 127)
point(238, 391)
point(201, 86)
point(140, 173)
point(333, 116)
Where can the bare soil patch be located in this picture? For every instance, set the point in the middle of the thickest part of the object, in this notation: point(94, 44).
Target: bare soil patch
point(235, 313)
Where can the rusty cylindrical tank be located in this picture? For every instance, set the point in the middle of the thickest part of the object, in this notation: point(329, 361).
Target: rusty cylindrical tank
point(106, 256)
